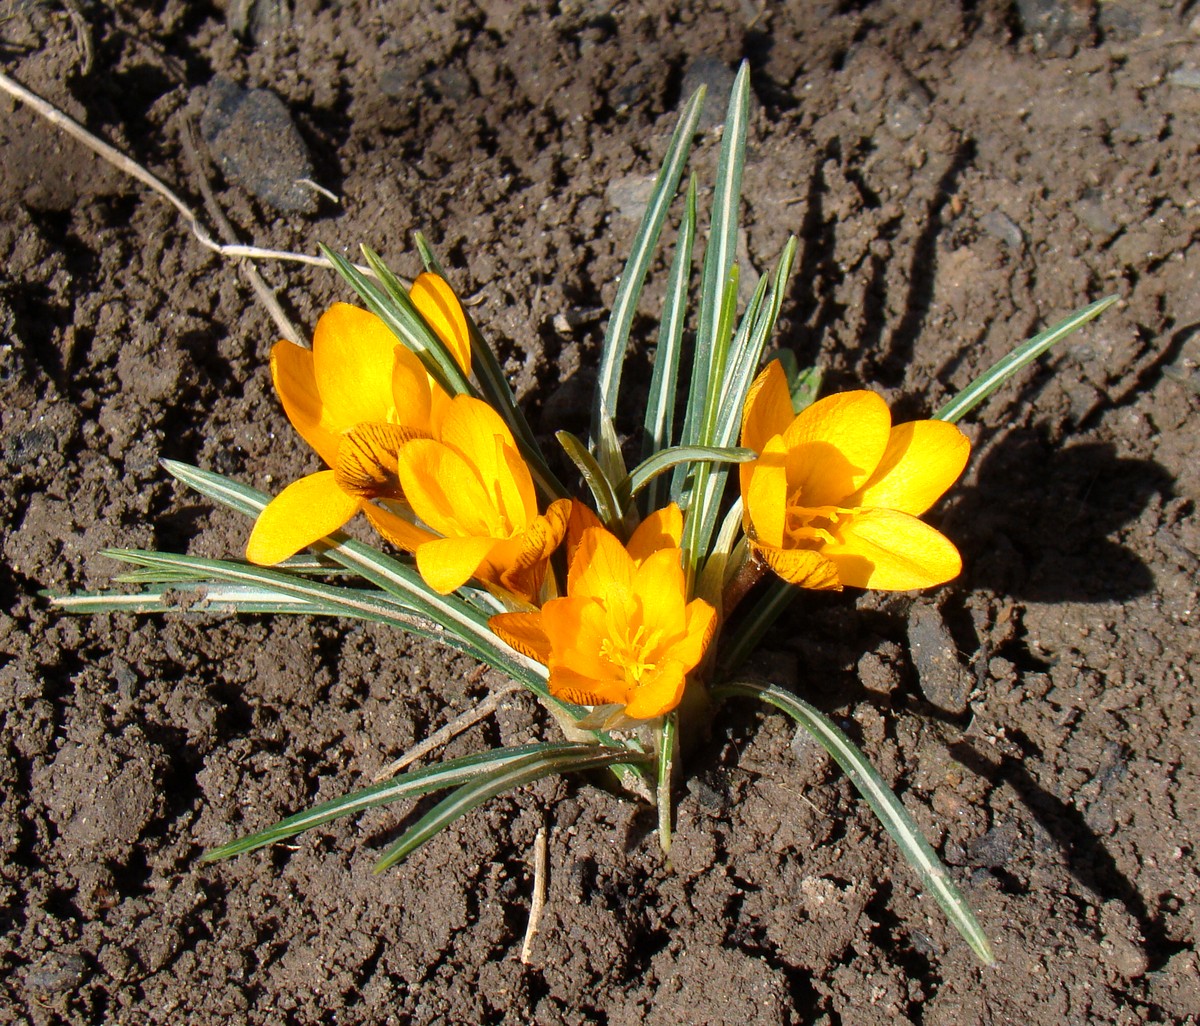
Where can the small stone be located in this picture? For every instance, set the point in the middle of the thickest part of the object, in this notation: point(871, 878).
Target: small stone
point(252, 136)
point(1189, 78)
point(628, 196)
point(944, 681)
point(1094, 214)
point(994, 848)
point(718, 77)
point(57, 973)
point(1000, 226)
point(450, 84)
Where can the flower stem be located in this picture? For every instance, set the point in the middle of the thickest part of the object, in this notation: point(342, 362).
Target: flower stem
point(667, 745)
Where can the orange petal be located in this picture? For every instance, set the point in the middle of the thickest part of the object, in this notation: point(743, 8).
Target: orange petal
point(923, 459)
point(701, 621)
point(662, 529)
point(448, 563)
point(519, 564)
point(768, 408)
point(304, 512)
point(659, 585)
point(524, 632)
point(576, 629)
point(834, 446)
point(582, 519)
point(395, 529)
point(601, 569)
point(804, 568)
point(659, 693)
point(353, 359)
point(570, 685)
point(296, 383)
point(444, 314)
point(891, 551)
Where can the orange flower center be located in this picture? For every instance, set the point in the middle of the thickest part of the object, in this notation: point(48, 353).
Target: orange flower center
point(632, 653)
point(810, 527)
point(367, 460)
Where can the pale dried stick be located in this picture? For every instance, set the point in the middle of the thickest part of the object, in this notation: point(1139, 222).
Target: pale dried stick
point(443, 734)
point(266, 295)
point(538, 901)
point(135, 170)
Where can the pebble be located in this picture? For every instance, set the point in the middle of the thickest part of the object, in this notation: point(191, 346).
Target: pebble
point(253, 138)
point(999, 225)
point(1094, 214)
point(943, 680)
point(718, 77)
point(57, 973)
point(628, 196)
point(1189, 78)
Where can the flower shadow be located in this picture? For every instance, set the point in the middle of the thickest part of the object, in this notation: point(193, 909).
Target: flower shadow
point(1046, 523)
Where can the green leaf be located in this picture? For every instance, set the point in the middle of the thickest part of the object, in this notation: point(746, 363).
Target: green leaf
point(658, 426)
point(633, 277)
point(452, 773)
point(473, 794)
point(607, 504)
point(666, 459)
point(1022, 356)
point(895, 818)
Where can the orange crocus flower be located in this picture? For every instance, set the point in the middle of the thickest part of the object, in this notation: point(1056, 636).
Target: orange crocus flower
point(625, 633)
point(355, 397)
point(834, 496)
point(472, 493)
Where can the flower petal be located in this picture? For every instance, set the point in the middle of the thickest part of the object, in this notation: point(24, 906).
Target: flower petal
point(601, 569)
point(478, 433)
point(834, 445)
point(448, 563)
point(524, 632)
point(304, 512)
point(395, 529)
point(412, 391)
point(768, 408)
point(891, 551)
point(353, 358)
point(804, 568)
point(296, 383)
point(701, 625)
point(444, 314)
point(659, 585)
point(765, 494)
point(659, 693)
point(444, 490)
point(662, 529)
point(923, 459)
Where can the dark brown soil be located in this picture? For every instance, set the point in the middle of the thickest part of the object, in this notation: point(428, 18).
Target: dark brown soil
point(957, 180)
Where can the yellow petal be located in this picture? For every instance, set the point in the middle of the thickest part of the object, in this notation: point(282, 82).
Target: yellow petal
point(304, 512)
point(765, 494)
point(367, 457)
point(923, 459)
point(804, 568)
point(448, 563)
point(411, 389)
point(395, 529)
point(834, 445)
point(659, 693)
point(768, 408)
point(890, 551)
point(524, 632)
point(570, 685)
point(518, 565)
point(296, 383)
point(576, 628)
point(582, 519)
point(444, 314)
point(353, 358)
point(701, 625)
point(662, 529)
point(478, 433)
point(444, 490)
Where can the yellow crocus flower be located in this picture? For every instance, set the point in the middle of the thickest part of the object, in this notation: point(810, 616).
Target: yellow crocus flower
point(834, 496)
point(625, 633)
point(470, 487)
point(356, 397)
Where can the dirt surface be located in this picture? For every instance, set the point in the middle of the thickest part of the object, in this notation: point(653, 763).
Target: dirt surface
point(958, 179)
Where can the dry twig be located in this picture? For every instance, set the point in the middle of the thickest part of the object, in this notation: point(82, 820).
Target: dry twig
point(538, 901)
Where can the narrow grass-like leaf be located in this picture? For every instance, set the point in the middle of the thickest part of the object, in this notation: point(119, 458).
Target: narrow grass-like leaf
point(444, 775)
point(658, 426)
point(718, 255)
point(219, 488)
point(710, 585)
point(666, 459)
point(467, 797)
point(198, 597)
point(895, 818)
point(668, 743)
point(1022, 356)
point(607, 505)
point(633, 277)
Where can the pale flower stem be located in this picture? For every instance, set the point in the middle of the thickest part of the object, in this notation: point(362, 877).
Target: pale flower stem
point(668, 741)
